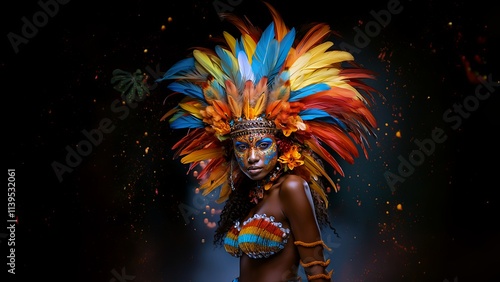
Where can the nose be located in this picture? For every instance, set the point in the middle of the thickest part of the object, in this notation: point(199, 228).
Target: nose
point(253, 156)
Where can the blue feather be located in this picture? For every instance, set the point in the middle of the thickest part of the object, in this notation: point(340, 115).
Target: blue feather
point(228, 66)
point(308, 90)
point(239, 47)
point(215, 91)
point(243, 65)
point(183, 120)
point(265, 55)
point(320, 115)
point(187, 88)
point(182, 65)
point(284, 76)
point(220, 90)
point(245, 68)
point(284, 48)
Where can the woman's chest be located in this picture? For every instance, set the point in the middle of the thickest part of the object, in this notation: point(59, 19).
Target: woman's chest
point(270, 206)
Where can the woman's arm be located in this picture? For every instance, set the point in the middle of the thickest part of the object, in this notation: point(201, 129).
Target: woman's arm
point(298, 207)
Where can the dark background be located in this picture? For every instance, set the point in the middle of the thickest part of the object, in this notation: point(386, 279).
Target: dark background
point(128, 212)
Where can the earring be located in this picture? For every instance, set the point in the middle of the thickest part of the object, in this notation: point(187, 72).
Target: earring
point(231, 181)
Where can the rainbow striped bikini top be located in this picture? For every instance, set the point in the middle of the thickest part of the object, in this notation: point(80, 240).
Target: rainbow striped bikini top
point(258, 237)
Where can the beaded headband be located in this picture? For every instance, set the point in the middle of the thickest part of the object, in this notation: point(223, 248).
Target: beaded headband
point(259, 125)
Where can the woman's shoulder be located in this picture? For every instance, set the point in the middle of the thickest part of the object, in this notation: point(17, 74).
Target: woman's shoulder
point(293, 185)
point(295, 196)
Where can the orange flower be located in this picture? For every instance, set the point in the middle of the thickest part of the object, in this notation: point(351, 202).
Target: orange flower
point(292, 158)
point(215, 120)
point(292, 124)
point(288, 119)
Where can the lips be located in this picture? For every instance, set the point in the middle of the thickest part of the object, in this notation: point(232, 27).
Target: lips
point(253, 170)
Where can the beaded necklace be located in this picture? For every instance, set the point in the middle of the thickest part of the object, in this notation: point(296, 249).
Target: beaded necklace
point(257, 193)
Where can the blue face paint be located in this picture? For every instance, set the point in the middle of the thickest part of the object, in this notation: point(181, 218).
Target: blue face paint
point(268, 148)
point(256, 152)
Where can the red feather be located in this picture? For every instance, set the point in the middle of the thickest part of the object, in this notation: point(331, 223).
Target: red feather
point(335, 139)
point(314, 144)
point(187, 140)
point(212, 164)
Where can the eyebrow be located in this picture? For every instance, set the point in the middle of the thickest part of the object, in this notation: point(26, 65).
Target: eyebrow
point(267, 139)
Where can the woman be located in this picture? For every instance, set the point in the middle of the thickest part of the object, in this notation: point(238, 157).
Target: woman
point(270, 222)
point(264, 111)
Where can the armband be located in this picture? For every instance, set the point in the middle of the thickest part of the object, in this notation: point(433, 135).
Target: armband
point(322, 276)
point(316, 262)
point(313, 244)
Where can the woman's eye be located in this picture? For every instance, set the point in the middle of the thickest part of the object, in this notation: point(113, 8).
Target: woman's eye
point(241, 147)
point(264, 145)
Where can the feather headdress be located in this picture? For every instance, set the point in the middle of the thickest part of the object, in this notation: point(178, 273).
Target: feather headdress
point(273, 81)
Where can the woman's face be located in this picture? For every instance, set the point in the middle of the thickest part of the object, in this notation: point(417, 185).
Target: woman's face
point(257, 154)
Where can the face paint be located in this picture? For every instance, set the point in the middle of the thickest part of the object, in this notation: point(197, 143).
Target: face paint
point(256, 154)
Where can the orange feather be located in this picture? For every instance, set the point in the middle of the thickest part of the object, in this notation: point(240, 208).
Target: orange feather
point(222, 109)
point(324, 154)
point(274, 109)
point(314, 36)
point(335, 139)
point(280, 28)
point(202, 155)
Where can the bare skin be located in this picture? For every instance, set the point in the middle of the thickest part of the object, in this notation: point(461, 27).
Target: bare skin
point(290, 202)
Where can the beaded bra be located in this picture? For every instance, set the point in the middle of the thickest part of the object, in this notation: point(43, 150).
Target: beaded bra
point(258, 237)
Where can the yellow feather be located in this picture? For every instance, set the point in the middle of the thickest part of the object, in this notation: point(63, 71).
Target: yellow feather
point(296, 68)
point(202, 155)
point(216, 178)
point(316, 187)
point(169, 113)
point(231, 41)
point(210, 64)
point(193, 107)
point(320, 76)
point(249, 44)
point(330, 58)
point(260, 106)
point(225, 190)
point(234, 106)
point(317, 169)
point(212, 183)
point(316, 65)
point(326, 60)
point(321, 48)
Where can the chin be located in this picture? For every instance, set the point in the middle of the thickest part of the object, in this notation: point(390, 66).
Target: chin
point(256, 177)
